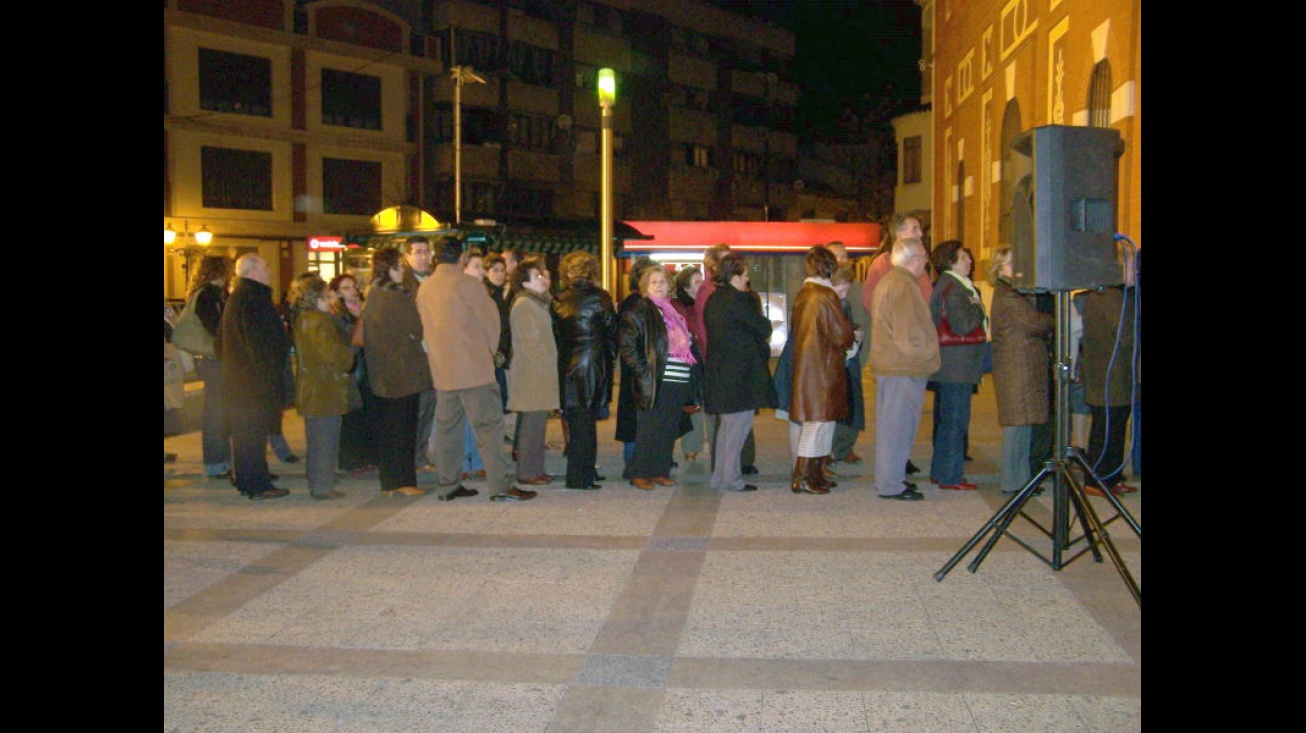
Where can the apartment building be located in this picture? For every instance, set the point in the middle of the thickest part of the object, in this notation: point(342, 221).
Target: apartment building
point(288, 125)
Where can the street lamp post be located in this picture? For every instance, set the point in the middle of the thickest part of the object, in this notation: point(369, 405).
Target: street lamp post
point(461, 75)
point(201, 238)
point(607, 99)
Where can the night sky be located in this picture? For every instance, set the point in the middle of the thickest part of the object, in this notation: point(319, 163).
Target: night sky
point(846, 50)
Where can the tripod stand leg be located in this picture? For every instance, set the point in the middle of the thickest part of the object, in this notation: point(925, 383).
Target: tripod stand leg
point(997, 524)
point(1074, 454)
point(1075, 493)
point(1093, 528)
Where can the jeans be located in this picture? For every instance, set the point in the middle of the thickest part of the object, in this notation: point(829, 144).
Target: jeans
point(947, 465)
point(471, 457)
point(215, 434)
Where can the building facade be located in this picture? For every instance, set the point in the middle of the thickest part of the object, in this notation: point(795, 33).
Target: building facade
point(997, 68)
point(289, 124)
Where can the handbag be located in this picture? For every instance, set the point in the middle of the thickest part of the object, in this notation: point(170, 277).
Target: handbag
point(190, 334)
point(948, 337)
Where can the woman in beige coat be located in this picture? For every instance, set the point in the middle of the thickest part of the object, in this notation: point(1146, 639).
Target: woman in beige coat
point(533, 374)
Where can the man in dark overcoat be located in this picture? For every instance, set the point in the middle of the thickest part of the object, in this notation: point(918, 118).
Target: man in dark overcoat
point(254, 349)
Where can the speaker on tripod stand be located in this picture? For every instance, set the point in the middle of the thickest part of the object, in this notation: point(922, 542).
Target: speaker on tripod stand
point(1064, 239)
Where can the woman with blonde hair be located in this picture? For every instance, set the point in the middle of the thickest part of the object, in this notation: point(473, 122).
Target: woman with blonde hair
point(586, 332)
point(208, 295)
point(1019, 333)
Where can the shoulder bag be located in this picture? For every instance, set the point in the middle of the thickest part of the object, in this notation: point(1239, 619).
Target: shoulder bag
point(190, 334)
point(947, 337)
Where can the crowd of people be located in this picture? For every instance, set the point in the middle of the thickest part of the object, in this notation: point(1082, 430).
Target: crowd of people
point(436, 368)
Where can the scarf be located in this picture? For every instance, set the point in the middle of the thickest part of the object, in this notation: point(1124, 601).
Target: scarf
point(969, 285)
point(678, 338)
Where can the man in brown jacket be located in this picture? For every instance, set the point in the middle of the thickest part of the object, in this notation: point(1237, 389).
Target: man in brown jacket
point(457, 309)
point(904, 353)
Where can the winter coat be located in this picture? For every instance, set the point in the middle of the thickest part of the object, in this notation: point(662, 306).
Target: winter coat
point(324, 360)
point(642, 343)
point(585, 326)
point(255, 348)
point(960, 364)
point(392, 342)
point(627, 410)
point(822, 334)
point(904, 341)
point(1102, 321)
point(462, 326)
point(503, 301)
point(1019, 333)
point(533, 374)
point(737, 377)
point(210, 301)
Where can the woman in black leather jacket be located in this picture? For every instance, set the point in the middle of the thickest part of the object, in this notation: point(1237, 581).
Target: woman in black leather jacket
point(586, 331)
point(656, 346)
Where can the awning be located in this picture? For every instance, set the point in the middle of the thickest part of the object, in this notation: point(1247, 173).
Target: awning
point(539, 236)
point(753, 236)
point(559, 236)
point(391, 239)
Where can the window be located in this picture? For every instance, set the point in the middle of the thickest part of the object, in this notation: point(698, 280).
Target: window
point(235, 83)
point(480, 125)
point(688, 154)
point(531, 132)
point(521, 201)
point(1010, 129)
point(532, 64)
point(351, 186)
point(961, 200)
point(478, 50)
point(236, 179)
point(748, 165)
point(911, 159)
point(351, 100)
point(1099, 95)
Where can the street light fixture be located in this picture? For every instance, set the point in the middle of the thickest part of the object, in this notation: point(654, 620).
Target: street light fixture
point(461, 75)
point(607, 100)
point(180, 243)
point(202, 237)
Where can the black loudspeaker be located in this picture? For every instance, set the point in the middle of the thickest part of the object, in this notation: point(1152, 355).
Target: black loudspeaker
point(1063, 208)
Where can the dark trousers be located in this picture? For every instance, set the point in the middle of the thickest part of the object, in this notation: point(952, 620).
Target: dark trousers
point(249, 448)
point(358, 431)
point(1106, 442)
point(582, 445)
point(397, 420)
point(656, 432)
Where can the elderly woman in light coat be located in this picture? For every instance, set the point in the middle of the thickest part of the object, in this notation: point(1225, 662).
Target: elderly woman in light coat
point(533, 374)
point(1019, 333)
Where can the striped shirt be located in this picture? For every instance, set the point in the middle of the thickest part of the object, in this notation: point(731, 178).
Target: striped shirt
point(677, 371)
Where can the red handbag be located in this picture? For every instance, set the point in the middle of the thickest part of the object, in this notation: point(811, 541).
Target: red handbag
point(948, 337)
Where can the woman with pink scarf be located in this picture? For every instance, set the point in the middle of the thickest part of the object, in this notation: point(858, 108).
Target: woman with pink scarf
point(656, 346)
